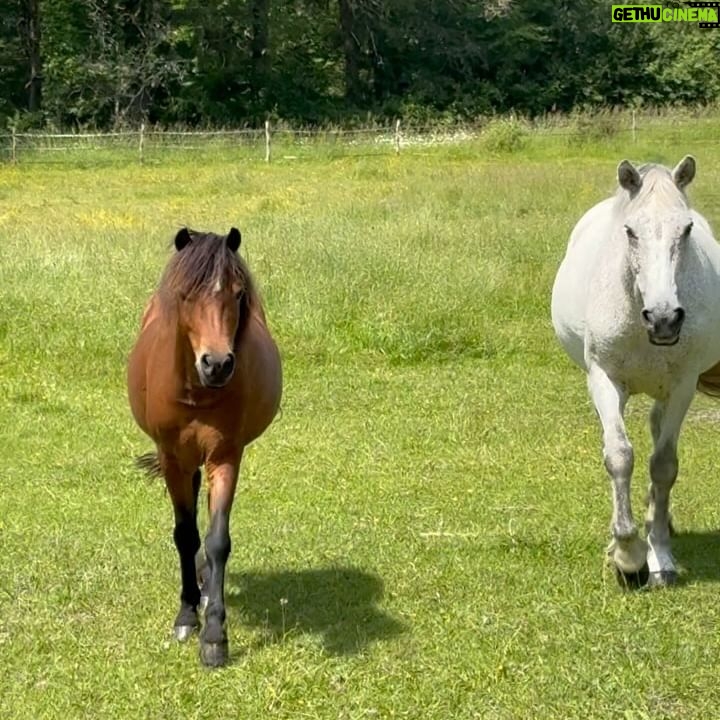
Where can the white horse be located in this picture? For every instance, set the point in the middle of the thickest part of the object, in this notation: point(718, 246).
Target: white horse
point(636, 304)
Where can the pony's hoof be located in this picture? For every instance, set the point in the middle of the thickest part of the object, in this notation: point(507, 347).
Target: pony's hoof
point(214, 654)
point(632, 580)
point(662, 578)
point(184, 632)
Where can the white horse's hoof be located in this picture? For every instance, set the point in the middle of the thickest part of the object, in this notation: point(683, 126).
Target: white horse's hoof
point(630, 556)
point(632, 580)
point(629, 560)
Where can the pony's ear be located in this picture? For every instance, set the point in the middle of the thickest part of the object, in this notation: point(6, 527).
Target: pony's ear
point(628, 177)
point(182, 238)
point(684, 172)
point(233, 239)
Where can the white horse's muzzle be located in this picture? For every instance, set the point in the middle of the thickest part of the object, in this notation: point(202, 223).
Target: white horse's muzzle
point(663, 327)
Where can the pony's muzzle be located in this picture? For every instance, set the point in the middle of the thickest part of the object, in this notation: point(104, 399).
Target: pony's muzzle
point(216, 369)
point(663, 326)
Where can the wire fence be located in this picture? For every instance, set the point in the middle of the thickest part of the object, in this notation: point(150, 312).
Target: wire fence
point(279, 141)
point(147, 145)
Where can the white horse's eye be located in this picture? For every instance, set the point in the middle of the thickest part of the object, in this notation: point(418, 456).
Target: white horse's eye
point(630, 233)
point(686, 231)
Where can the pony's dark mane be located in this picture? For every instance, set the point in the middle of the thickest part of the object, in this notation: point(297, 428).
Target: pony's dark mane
point(205, 260)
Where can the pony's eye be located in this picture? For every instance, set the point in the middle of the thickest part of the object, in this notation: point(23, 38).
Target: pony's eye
point(687, 229)
point(630, 233)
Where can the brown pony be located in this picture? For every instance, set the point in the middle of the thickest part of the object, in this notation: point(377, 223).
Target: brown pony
point(204, 380)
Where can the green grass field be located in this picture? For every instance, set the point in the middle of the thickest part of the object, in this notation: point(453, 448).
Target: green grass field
point(421, 533)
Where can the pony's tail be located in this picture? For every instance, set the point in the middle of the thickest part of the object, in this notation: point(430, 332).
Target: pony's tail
point(149, 464)
point(709, 381)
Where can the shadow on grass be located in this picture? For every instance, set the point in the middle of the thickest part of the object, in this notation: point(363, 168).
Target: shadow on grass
point(699, 554)
point(338, 604)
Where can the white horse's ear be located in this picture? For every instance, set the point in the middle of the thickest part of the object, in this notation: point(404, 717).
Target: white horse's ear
point(684, 172)
point(628, 177)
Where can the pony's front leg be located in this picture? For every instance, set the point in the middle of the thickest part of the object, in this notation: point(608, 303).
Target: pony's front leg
point(183, 488)
point(223, 479)
point(666, 419)
point(627, 550)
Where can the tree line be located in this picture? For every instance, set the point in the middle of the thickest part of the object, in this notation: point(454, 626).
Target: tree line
point(109, 63)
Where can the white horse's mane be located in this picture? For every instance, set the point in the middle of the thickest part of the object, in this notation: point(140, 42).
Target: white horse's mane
point(657, 187)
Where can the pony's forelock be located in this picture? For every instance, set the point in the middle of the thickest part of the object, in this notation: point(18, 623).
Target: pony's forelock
point(203, 263)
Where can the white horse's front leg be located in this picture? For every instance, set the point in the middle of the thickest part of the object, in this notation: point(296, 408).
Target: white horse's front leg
point(665, 421)
point(627, 550)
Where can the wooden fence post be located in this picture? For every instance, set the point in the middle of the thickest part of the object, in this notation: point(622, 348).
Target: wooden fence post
point(13, 156)
point(142, 143)
point(397, 136)
point(634, 127)
point(267, 141)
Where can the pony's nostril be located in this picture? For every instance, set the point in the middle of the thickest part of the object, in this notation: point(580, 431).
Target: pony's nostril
point(647, 316)
point(216, 368)
point(679, 315)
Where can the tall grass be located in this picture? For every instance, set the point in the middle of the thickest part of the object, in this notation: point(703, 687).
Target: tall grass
point(420, 534)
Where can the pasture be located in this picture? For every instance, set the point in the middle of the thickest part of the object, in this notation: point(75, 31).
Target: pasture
point(421, 533)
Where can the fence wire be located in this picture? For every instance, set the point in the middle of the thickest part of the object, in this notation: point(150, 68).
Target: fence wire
point(284, 142)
